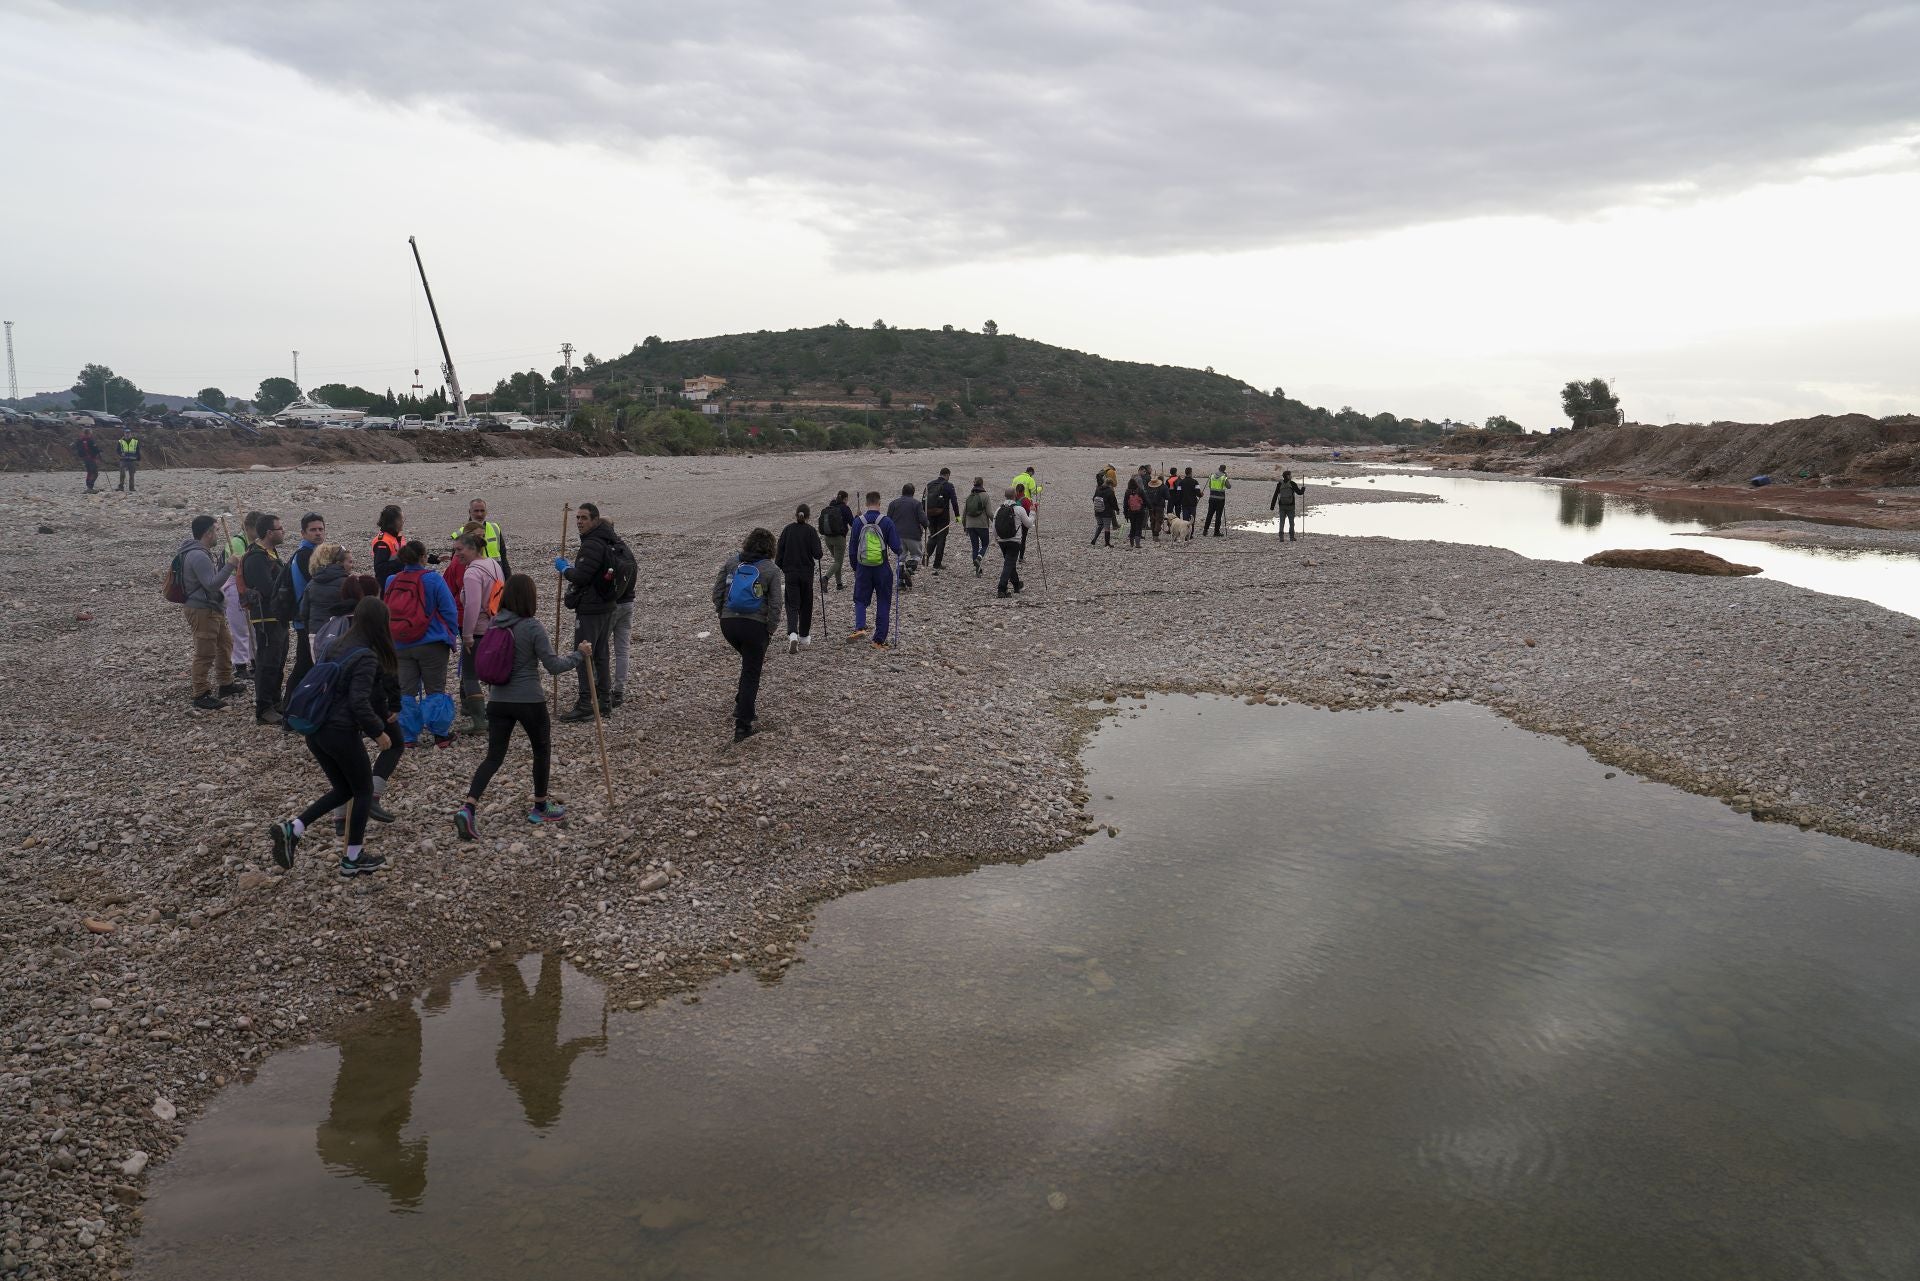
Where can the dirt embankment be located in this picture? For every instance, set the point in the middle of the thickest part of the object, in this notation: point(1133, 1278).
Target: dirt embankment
point(37, 448)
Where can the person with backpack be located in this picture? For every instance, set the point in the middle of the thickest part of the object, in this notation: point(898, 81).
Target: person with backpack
point(197, 584)
point(322, 598)
point(1028, 483)
point(1105, 509)
point(1010, 525)
point(871, 546)
point(129, 458)
point(386, 697)
point(977, 519)
point(386, 545)
point(261, 571)
point(602, 574)
point(836, 518)
point(293, 589)
point(508, 659)
point(746, 596)
point(334, 708)
point(797, 554)
point(1217, 487)
point(1282, 505)
point(87, 450)
point(425, 624)
point(482, 583)
point(909, 516)
point(1135, 507)
point(943, 504)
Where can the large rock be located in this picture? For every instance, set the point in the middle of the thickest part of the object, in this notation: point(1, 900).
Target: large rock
point(1675, 560)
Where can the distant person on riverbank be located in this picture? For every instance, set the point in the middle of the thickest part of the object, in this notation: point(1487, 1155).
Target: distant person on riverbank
point(1010, 525)
point(1105, 508)
point(943, 504)
point(909, 516)
point(363, 653)
point(836, 518)
point(203, 583)
point(87, 450)
point(386, 544)
point(262, 571)
point(746, 596)
point(798, 555)
point(1217, 487)
point(1282, 505)
point(129, 454)
point(871, 547)
point(977, 518)
point(293, 591)
point(601, 577)
point(496, 549)
point(482, 584)
point(518, 701)
point(424, 622)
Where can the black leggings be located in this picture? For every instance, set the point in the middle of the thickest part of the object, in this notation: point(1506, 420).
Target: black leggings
point(501, 718)
point(344, 761)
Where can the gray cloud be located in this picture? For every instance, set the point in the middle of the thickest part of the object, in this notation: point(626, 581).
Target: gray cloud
point(937, 131)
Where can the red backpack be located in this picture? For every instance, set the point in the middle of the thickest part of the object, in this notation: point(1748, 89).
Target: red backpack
point(1134, 501)
point(407, 608)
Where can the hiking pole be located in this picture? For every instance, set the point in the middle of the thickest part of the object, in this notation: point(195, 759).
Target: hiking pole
point(899, 608)
point(1040, 557)
point(559, 591)
point(599, 731)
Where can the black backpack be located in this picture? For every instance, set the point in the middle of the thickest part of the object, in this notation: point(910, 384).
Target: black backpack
point(833, 520)
point(1006, 527)
point(621, 571)
point(937, 500)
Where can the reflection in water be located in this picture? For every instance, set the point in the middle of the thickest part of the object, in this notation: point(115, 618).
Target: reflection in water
point(1582, 507)
point(372, 1102)
point(532, 1059)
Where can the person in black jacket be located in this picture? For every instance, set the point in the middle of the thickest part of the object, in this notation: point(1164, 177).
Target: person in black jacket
point(943, 506)
point(260, 574)
point(363, 653)
point(1281, 504)
point(749, 625)
point(836, 519)
point(798, 555)
point(1105, 507)
point(598, 578)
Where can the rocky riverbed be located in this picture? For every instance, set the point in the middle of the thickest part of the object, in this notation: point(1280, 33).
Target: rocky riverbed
point(150, 952)
point(1833, 538)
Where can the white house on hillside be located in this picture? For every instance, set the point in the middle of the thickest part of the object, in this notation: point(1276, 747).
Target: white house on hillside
point(702, 387)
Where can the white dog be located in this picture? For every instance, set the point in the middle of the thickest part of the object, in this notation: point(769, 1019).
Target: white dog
point(1179, 529)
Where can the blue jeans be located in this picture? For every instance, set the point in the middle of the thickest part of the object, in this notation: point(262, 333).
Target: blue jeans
point(1285, 522)
point(869, 581)
point(980, 540)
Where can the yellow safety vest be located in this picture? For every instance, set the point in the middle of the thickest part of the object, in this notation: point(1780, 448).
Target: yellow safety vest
point(1031, 485)
point(493, 539)
point(1217, 483)
point(130, 450)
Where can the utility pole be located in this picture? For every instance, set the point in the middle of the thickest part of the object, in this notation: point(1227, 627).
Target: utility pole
point(296, 371)
point(13, 379)
point(453, 379)
point(566, 353)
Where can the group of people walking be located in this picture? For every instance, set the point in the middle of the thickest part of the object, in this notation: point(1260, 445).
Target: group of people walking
point(378, 652)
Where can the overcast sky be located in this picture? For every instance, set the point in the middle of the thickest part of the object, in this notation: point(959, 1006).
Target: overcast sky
point(1428, 208)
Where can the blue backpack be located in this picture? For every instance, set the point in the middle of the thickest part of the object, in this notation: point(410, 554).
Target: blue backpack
point(746, 593)
point(313, 698)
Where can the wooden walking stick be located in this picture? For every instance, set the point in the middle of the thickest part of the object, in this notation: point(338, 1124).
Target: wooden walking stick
point(599, 731)
point(566, 518)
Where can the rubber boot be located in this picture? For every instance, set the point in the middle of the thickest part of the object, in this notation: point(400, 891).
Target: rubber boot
point(475, 706)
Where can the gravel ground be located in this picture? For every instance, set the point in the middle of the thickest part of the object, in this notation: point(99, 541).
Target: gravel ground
point(1838, 538)
point(124, 808)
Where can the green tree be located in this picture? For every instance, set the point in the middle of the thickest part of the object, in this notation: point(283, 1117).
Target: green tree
point(991, 329)
point(1502, 425)
point(1590, 404)
point(650, 341)
point(275, 394)
point(886, 396)
point(342, 396)
point(590, 362)
point(213, 398)
point(98, 387)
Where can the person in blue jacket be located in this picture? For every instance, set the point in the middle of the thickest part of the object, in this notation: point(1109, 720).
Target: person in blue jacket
point(413, 594)
point(873, 564)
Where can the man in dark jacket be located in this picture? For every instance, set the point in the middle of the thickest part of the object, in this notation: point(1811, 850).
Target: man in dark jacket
point(836, 518)
point(260, 572)
point(798, 555)
point(1282, 504)
point(943, 504)
point(293, 594)
point(87, 450)
point(909, 517)
point(598, 578)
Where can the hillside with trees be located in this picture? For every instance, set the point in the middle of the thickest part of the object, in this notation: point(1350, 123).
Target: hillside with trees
point(842, 386)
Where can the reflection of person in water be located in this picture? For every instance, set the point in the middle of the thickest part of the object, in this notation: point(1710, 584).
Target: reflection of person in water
point(372, 1102)
point(531, 1058)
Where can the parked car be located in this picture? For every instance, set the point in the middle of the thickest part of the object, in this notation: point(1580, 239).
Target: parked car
point(410, 422)
point(10, 415)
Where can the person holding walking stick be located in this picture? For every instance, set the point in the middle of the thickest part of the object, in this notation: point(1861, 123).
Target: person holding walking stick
point(507, 659)
point(1282, 505)
point(747, 597)
point(603, 575)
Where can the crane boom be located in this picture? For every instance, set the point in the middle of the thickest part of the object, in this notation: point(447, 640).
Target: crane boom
point(453, 379)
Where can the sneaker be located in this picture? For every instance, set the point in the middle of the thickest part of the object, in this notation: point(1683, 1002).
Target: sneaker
point(1004, 594)
point(551, 812)
point(442, 742)
point(806, 641)
point(366, 865)
point(977, 571)
point(793, 642)
point(465, 823)
point(339, 825)
point(208, 703)
point(879, 644)
point(241, 672)
point(857, 637)
point(578, 714)
point(378, 812)
point(230, 689)
point(742, 732)
point(268, 717)
point(284, 842)
point(618, 698)
point(823, 584)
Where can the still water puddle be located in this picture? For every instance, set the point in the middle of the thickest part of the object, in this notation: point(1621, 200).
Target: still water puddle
point(1562, 522)
point(1381, 995)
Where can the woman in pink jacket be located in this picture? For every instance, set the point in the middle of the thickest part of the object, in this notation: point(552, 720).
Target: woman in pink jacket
point(480, 586)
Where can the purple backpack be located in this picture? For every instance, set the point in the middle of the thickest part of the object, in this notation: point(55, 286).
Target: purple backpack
point(493, 656)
